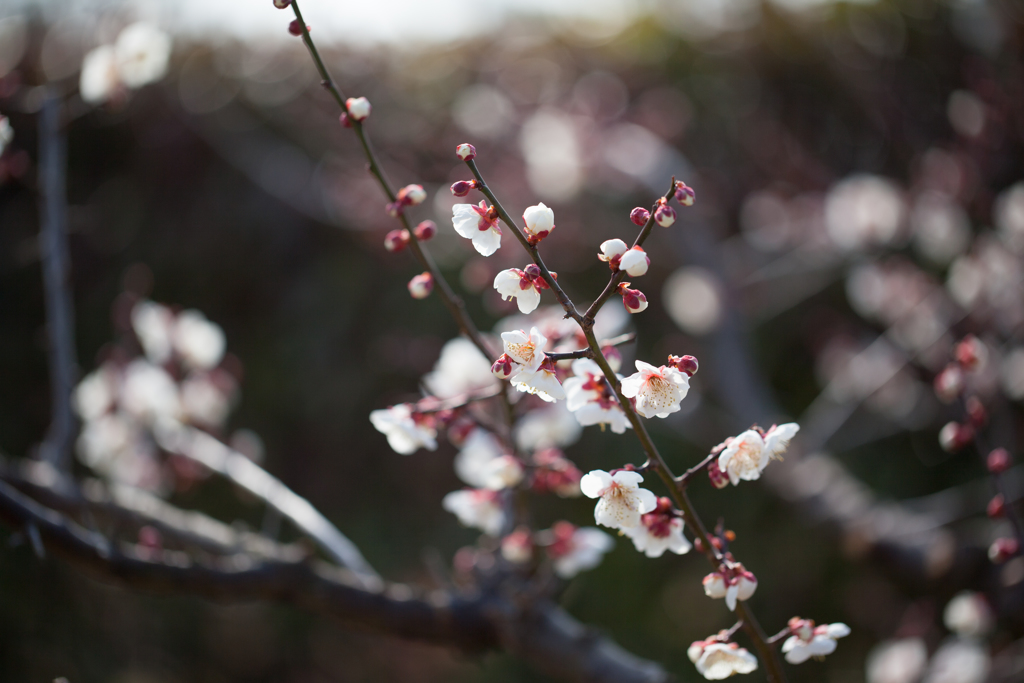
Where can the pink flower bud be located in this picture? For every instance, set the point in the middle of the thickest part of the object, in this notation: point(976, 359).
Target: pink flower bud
point(282, 4)
point(949, 383)
point(461, 188)
point(977, 416)
point(640, 216)
point(719, 479)
point(466, 151)
point(1003, 549)
point(295, 28)
point(998, 461)
point(996, 507)
point(425, 230)
point(421, 285)
point(633, 299)
point(687, 364)
point(358, 108)
point(503, 367)
point(517, 547)
point(970, 353)
point(345, 120)
point(396, 240)
point(412, 195)
point(684, 193)
point(954, 436)
point(532, 271)
point(664, 215)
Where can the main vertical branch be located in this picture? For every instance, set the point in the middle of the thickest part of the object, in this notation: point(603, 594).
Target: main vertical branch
point(53, 250)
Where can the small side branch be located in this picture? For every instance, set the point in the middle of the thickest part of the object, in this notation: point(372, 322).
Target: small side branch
point(53, 249)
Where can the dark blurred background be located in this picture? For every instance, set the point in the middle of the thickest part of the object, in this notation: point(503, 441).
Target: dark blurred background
point(854, 165)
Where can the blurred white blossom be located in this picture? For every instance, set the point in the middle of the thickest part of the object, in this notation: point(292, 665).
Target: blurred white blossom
point(864, 211)
point(897, 661)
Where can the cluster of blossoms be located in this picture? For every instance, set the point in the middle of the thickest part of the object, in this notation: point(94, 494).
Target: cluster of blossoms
point(139, 56)
point(745, 456)
point(127, 401)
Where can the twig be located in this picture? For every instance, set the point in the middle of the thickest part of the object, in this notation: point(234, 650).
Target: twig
point(588, 352)
point(206, 450)
point(53, 249)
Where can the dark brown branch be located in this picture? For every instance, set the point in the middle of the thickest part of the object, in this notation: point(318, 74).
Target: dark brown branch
point(589, 352)
point(545, 636)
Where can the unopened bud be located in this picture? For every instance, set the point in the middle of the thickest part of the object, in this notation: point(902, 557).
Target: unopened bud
point(412, 195)
point(358, 108)
point(345, 120)
point(1003, 549)
point(425, 230)
point(466, 151)
point(719, 479)
point(970, 353)
point(684, 193)
point(503, 367)
point(996, 507)
point(295, 28)
point(664, 215)
point(949, 383)
point(282, 4)
point(613, 356)
point(421, 286)
point(954, 436)
point(635, 262)
point(633, 299)
point(517, 547)
point(532, 271)
point(998, 461)
point(640, 216)
point(461, 188)
point(396, 240)
point(687, 364)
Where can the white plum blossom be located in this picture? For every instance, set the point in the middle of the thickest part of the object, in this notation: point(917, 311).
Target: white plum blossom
point(591, 399)
point(206, 398)
point(99, 80)
point(657, 391)
point(622, 501)
point(514, 283)
point(143, 52)
point(479, 223)
point(573, 549)
point(809, 641)
point(542, 382)
point(960, 660)
point(717, 661)
point(968, 614)
point(358, 108)
point(658, 531)
point(611, 250)
point(553, 426)
point(635, 262)
point(97, 392)
point(148, 392)
point(199, 342)
point(732, 583)
point(745, 456)
point(482, 463)
point(525, 349)
point(153, 324)
point(538, 221)
point(406, 430)
point(477, 508)
point(461, 368)
point(897, 661)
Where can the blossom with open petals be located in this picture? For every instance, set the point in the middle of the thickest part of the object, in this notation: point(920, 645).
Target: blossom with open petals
point(622, 501)
point(574, 549)
point(482, 463)
point(199, 342)
point(143, 52)
point(809, 641)
point(746, 455)
point(522, 285)
point(525, 349)
point(479, 223)
point(406, 430)
point(717, 661)
point(591, 399)
point(732, 583)
point(658, 531)
point(538, 221)
point(477, 508)
point(542, 382)
point(657, 391)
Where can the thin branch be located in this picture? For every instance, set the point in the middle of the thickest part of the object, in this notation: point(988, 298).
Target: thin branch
point(53, 248)
point(588, 352)
point(206, 450)
point(685, 478)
